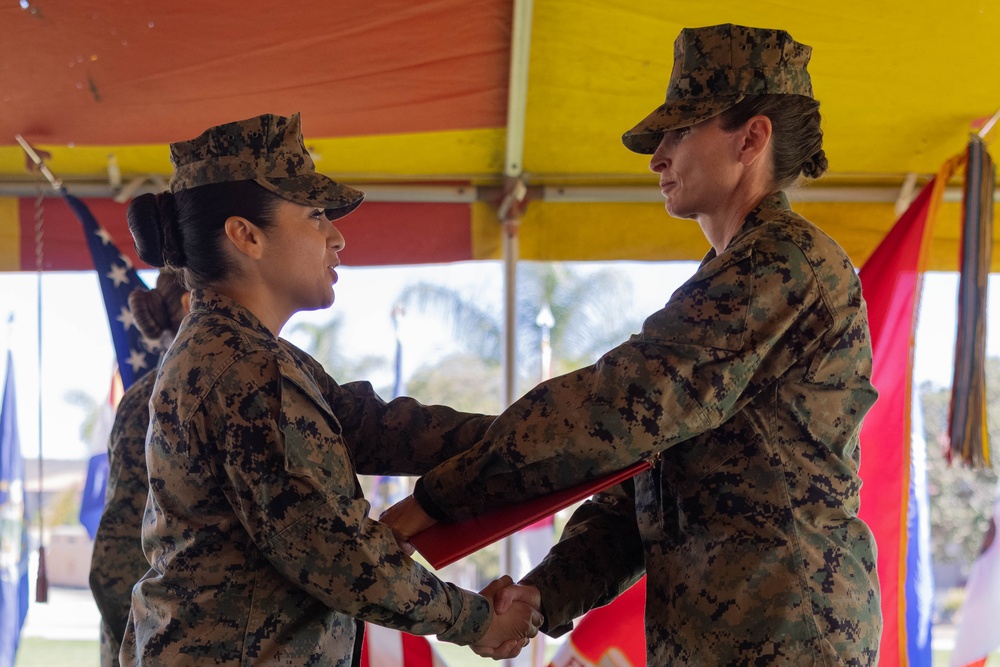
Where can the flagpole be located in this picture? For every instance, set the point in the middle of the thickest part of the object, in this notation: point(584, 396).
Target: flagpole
point(989, 125)
point(40, 165)
point(37, 163)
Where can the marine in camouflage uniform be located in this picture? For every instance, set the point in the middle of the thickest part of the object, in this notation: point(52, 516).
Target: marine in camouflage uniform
point(746, 392)
point(255, 517)
point(255, 526)
point(118, 561)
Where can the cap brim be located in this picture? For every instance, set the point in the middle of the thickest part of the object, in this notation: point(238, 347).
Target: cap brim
point(316, 190)
point(648, 133)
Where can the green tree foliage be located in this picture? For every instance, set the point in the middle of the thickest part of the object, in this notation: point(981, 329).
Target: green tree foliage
point(961, 499)
point(91, 410)
point(464, 381)
point(592, 313)
point(324, 343)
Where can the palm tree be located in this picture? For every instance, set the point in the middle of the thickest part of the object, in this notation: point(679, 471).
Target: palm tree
point(324, 343)
point(592, 314)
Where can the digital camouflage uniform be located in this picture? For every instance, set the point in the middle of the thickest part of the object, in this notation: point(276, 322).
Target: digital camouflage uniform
point(747, 392)
point(261, 545)
point(118, 561)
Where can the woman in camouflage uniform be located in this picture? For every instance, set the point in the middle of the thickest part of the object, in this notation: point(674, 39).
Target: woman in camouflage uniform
point(261, 548)
point(118, 561)
point(746, 393)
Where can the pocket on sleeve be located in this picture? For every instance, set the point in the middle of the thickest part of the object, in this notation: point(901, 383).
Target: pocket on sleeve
point(313, 448)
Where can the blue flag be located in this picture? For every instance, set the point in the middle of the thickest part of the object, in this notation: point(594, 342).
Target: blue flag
point(135, 355)
point(13, 534)
point(94, 490)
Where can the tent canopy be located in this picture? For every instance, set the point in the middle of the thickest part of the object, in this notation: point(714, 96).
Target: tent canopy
point(409, 101)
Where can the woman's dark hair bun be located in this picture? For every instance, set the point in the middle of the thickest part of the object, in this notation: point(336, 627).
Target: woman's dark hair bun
point(152, 219)
point(160, 309)
point(816, 165)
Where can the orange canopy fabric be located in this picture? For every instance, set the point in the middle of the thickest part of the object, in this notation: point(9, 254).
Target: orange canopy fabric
point(395, 92)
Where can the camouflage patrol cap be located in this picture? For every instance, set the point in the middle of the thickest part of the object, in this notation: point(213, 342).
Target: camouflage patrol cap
point(717, 66)
point(268, 150)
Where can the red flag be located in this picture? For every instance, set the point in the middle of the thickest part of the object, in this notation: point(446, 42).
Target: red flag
point(890, 280)
point(610, 636)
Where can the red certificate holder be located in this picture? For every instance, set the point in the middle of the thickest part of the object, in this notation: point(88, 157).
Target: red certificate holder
point(444, 543)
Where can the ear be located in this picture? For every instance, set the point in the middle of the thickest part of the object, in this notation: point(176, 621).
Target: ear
point(245, 235)
point(186, 301)
point(755, 139)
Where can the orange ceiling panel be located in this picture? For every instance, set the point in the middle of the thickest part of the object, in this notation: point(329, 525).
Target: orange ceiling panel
point(125, 72)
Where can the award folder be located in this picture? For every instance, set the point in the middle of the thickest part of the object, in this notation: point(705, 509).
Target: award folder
point(446, 542)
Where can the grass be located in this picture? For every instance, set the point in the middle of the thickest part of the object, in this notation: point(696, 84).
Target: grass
point(943, 659)
point(37, 652)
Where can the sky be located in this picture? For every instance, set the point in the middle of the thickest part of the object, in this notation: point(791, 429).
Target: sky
point(78, 356)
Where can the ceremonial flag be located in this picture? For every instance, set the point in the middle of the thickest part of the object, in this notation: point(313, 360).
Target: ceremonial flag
point(609, 636)
point(13, 536)
point(98, 469)
point(135, 355)
point(94, 488)
point(391, 648)
point(890, 280)
point(918, 590)
point(979, 623)
point(118, 278)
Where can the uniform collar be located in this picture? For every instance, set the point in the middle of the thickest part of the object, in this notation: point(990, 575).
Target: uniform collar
point(769, 207)
point(209, 301)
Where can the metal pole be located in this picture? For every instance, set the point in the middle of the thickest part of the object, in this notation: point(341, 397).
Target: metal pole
point(510, 209)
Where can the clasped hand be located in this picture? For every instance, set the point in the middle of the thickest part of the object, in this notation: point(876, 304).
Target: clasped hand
point(517, 616)
point(516, 621)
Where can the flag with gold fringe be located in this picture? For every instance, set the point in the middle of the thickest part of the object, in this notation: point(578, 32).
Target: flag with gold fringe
point(890, 280)
point(967, 415)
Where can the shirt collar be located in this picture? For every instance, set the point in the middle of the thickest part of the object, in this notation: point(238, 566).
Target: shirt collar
point(209, 301)
point(768, 208)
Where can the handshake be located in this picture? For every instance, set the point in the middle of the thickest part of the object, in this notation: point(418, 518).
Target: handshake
point(516, 619)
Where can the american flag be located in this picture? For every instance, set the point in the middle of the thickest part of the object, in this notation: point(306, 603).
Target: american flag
point(135, 355)
point(117, 278)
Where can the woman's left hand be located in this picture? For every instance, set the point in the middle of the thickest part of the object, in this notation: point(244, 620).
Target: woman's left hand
point(406, 518)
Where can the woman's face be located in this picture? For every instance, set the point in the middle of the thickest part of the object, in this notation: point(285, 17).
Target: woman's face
point(301, 248)
point(698, 168)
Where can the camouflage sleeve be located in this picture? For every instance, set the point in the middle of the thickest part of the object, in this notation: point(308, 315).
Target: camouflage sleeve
point(118, 562)
point(576, 577)
point(292, 486)
point(733, 328)
point(401, 437)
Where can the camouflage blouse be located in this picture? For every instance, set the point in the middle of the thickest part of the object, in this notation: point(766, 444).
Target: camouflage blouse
point(746, 392)
point(118, 561)
point(261, 547)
